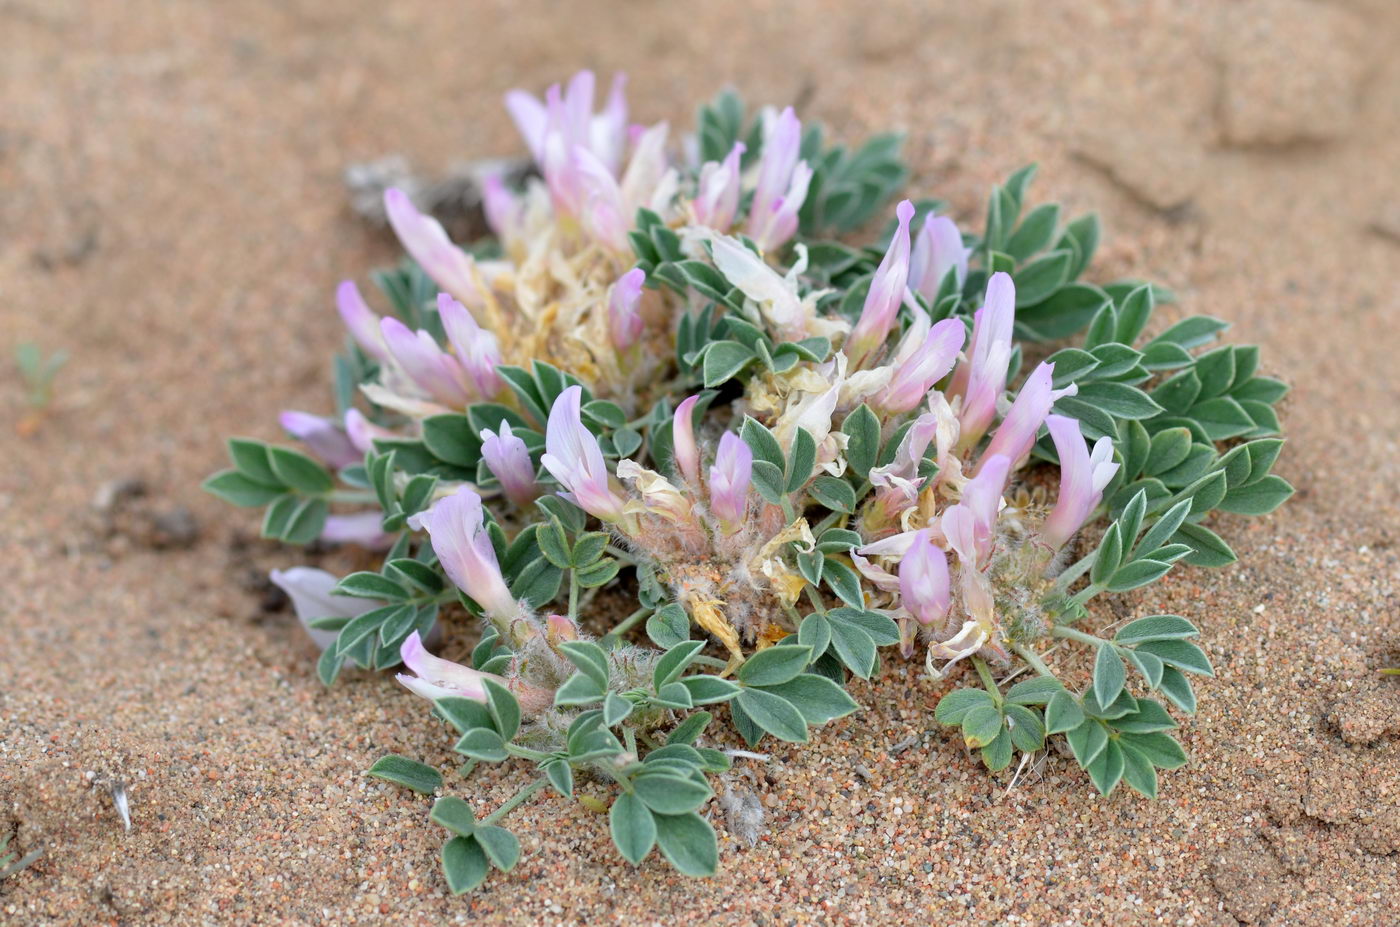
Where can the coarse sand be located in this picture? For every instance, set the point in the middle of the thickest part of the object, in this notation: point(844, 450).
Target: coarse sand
point(172, 215)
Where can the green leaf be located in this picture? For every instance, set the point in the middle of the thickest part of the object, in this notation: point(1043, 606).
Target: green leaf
point(814, 633)
point(1181, 654)
point(724, 360)
point(1208, 548)
point(1260, 389)
point(801, 460)
point(237, 489)
point(1257, 498)
point(1150, 718)
point(1191, 332)
point(1136, 574)
point(464, 864)
point(1138, 771)
point(1087, 742)
point(953, 708)
point(981, 725)
point(1119, 400)
point(688, 842)
point(1160, 750)
point(500, 845)
point(1155, 628)
point(997, 754)
point(1035, 231)
point(855, 648)
point(463, 713)
point(1026, 729)
point(1169, 448)
point(818, 699)
point(668, 626)
point(1176, 687)
point(306, 521)
point(299, 471)
point(862, 429)
point(834, 493)
point(410, 773)
point(504, 709)
point(844, 581)
point(1065, 312)
point(483, 744)
point(1164, 527)
point(561, 776)
point(1109, 674)
point(250, 458)
point(1062, 713)
point(674, 661)
point(1221, 417)
point(454, 814)
point(707, 690)
point(1109, 554)
point(664, 793)
point(1107, 768)
point(1036, 281)
point(1036, 691)
point(578, 689)
point(368, 585)
point(775, 665)
point(590, 659)
point(773, 713)
point(632, 826)
point(761, 441)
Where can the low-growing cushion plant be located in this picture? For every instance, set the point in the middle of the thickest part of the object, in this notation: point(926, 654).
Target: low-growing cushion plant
point(674, 377)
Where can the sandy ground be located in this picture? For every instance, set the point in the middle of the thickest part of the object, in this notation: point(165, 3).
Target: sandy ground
point(171, 214)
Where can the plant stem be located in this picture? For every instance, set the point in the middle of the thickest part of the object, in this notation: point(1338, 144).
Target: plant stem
point(573, 595)
point(815, 598)
point(1072, 634)
point(526, 752)
point(1076, 570)
point(988, 682)
point(1032, 658)
point(1085, 594)
point(629, 622)
point(709, 661)
point(630, 736)
point(516, 801)
point(621, 554)
point(351, 495)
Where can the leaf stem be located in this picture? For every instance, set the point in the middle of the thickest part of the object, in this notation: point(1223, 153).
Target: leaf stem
point(1033, 659)
point(988, 682)
point(1072, 634)
point(516, 800)
point(628, 623)
point(1076, 570)
point(350, 495)
point(573, 595)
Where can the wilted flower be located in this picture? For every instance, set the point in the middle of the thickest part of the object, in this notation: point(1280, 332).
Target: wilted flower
point(729, 480)
point(508, 459)
point(456, 526)
point(937, 249)
point(1083, 477)
point(573, 457)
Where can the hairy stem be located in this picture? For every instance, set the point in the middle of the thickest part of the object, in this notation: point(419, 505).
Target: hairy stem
point(1033, 659)
point(628, 623)
point(516, 800)
point(1072, 634)
point(985, 673)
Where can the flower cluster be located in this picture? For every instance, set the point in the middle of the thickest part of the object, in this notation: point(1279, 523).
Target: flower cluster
point(660, 385)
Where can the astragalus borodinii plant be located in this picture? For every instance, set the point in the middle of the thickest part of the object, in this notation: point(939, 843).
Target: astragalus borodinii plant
point(665, 381)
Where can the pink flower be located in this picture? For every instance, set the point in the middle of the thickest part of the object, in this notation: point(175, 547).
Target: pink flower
point(729, 481)
point(624, 321)
point(717, 197)
point(924, 587)
point(508, 459)
point(362, 432)
point(573, 457)
point(312, 593)
point(1083, 477)
point(970, 526)
point(683, 448)
point(782, 182)
point(456, 527)
point(478, 350)
point(424, 238)
point(360, 320)
point(426, 364)
point(364, 529)
point(886, 293)
point(600, 206)
point(1016, 434)
point(436, 678)
point(924, 356)
point(322, 436)
point(502, 207)
point(938, 249)
point(564, 122)
point(981, 379)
